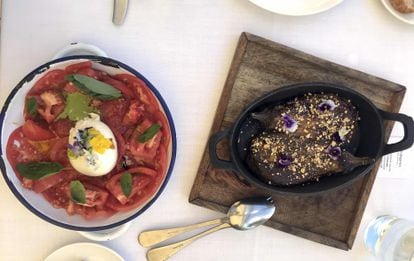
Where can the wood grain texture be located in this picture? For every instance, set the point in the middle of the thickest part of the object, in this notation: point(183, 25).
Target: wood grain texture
point(260, 66)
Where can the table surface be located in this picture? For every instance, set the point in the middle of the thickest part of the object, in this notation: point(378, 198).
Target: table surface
point(185, 49)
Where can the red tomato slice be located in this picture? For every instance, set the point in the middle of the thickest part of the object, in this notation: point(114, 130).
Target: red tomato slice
point(144, 151)
point(161, 160)
point(74, 68)
point(143, 170)
point(95, 196)
point(135, 111)
point(95, 202)
point(144, 93)
point(20, 150)
point(165, 127)
point(127, 92)
point(62, 127)
point(34, 131)
point(112, 113)
point(120, 142)
point(138, 183)
point(58, 152)
point(52, 79)
point(94, 213)
point(70, 87)
point(89, 72)
point(133, 202)
point(58, 195)
point(50, 114)
point(89, 213)
point(50, 181)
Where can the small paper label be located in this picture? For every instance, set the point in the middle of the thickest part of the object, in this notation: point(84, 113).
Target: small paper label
point(399, 165)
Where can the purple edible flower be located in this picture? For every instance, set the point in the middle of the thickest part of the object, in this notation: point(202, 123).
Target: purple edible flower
point(339, 136)
point(289, 123)
point(326, 105)
point(76, 148)
point(336, 137)
point(334, 152)
point(284, 160)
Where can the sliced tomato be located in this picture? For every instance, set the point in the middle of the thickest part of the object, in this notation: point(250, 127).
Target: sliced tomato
point(70, 87)
point(52, 180)
point(95, 196)
point(89, 72)
point(27, 183)
point(19, 150)
point(74, 68)
point(136, 201)
point(50, 113)
point(165, 127)
point(138, 183)
point(161, 159)
point(59, 153)
point(51, 80)
point(95, 202)
point(34, 131)
point(126, 91)
point(62, 127)
point(144, 151)
point(58, 195)
point(135, 111)
point(51, 104)
point(132, 202)
point(143, 170)
point(94, 213)
point(89, 213)
point(94, 181)
point(120, 142)
point(112, 113)
point(141, 89)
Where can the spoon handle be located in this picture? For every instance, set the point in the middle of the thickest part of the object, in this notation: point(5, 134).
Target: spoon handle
point(165, 252)
point(152, 237)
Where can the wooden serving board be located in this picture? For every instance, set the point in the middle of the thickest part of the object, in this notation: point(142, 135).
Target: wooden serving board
point(259, 66)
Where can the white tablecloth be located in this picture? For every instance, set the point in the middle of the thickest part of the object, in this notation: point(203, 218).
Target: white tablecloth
point(185, 49)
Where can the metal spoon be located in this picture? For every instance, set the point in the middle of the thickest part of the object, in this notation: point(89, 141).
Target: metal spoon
point(120, 9)
point(242, 215)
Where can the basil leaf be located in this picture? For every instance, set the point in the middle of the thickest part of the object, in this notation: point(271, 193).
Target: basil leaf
point(31, 106)
point(38, 170)
point(77, 192)
point(149, 133)
point(93, 87)
point(126, 183)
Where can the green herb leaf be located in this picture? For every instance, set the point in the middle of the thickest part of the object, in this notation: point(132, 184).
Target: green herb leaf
point(77, 192)
point(31, 106)
point(77, 107)
point(38, 170)
point(126, 183)
point(94, 88)
point(149, 133)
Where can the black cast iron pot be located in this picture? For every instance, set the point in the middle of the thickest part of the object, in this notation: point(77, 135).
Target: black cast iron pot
point(371, 142)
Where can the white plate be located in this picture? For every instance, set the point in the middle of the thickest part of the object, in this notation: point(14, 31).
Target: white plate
point(296, 7)
point(407, 18)
point(84, 251)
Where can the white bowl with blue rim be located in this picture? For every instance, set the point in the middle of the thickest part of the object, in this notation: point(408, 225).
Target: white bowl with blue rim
point(11, 117)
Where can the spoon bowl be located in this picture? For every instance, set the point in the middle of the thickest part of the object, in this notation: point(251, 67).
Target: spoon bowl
point(250, 213)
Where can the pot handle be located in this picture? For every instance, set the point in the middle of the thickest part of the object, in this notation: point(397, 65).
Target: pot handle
point(408, 139)
point(79, 49)
point(212, 149)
